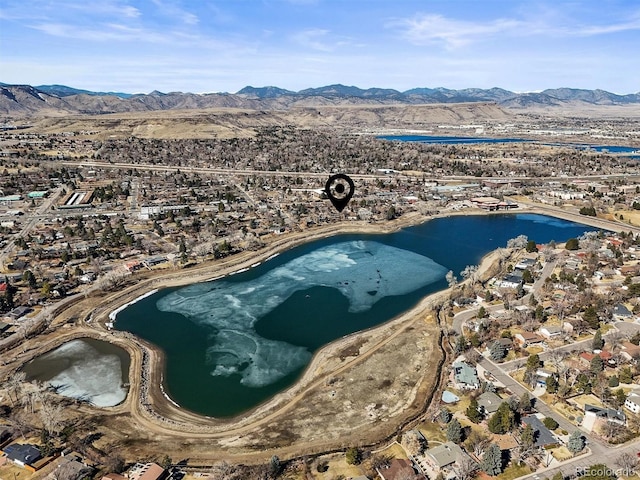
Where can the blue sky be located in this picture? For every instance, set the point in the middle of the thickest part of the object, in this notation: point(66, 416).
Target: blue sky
point(222, 45)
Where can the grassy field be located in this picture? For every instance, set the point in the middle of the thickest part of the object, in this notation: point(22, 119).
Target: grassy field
point(561, 454)
point(432, 432)
point(337, 465)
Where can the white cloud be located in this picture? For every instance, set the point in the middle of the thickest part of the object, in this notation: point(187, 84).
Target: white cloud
point(314, 38)
point(102, 33)
point(430, 29)
point(174, 10)
point(590, 30)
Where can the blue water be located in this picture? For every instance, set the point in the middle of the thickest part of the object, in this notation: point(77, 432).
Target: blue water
point(450, 140)
point(233, 343)
point(444, 140)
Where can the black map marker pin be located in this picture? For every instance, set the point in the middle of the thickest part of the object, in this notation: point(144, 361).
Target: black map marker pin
point(339, 189)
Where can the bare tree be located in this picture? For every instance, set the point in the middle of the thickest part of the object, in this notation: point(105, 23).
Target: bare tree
point(472, 356)
point(51, 416)
point(225, 471)
point(14, 386)
point(407, 473)
point(614, 339)
point(470, 273)
point(628, 462)
point(477, 442)
point(518, 242)
point(465, 468)
point(412, 443)
point(452, 281)
point(611, 430)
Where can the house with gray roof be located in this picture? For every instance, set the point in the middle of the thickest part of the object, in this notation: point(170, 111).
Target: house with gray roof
point(543, 437)
point(488, 403)
point(465, 376)
point(444, 455)
point(594, 416)
point(621, 312)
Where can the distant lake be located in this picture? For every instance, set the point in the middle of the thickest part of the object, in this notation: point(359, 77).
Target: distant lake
point(233, 343)
point(450, 140)
point(444, 140)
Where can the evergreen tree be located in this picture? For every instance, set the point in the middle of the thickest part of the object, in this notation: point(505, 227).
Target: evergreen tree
point(492, 460)
point(533, 361)
point(597, 365)
point(353, 456)
point(472, 412)
point(497, 351)
point(550, 423)
point(525, 403)
point(527, 443)
point(552, 384)
point(626, 376)
point(572, 244)
point(597, 342)
point(590, 316)
point(527, 437)
point(531, 246)
point(454, 431)
point(576, 442)
point(503, 420)
point(460, 345)
point(275, 466)
point(445, 415)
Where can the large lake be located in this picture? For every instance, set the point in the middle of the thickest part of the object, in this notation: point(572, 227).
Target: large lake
point(448, 140)
point(233, 343)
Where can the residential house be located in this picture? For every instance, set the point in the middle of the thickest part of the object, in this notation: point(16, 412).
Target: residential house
point(513, 281)
point(488, 403)
point(593, 413)
point(114, 476)
point(23, 454)
point(507, 343)
point(443, 456)
point(147, 471)
point(606, 356)
point(19, 312)
point(543, 437)
point(71, 467)
point(527, 339)
point(541, 377)
point(632, 402)
point(525, 263)
point(621, 313)
point(551, 332)
point(397, 467)
point(465, 376)
point(629, 351)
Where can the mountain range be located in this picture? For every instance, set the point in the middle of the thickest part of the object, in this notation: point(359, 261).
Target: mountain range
point(60, 99)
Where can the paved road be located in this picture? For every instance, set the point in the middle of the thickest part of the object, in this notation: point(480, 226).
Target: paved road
point(461, 317)
point(598, 451)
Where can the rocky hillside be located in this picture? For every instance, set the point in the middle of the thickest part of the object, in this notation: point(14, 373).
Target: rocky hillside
point(53, 100)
